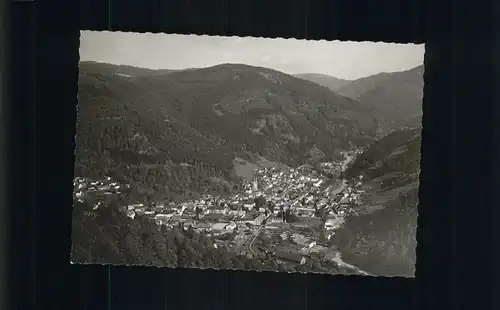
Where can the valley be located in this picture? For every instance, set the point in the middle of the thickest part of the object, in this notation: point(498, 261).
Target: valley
point(244, 167)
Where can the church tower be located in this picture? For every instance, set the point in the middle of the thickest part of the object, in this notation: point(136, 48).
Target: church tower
point(255, 185)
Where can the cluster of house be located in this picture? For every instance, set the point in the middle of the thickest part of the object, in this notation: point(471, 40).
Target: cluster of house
point(332, 168)
point(304, 191)
point(206, 214)
point(265, 199)
point(237, 219)
point(101, 191)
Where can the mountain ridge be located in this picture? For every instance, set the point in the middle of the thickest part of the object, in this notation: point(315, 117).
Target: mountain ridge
point(206, 118)
point(331, 82)
point(361, 85)
point(126, 70)
point(395, 97)
point(176, 134)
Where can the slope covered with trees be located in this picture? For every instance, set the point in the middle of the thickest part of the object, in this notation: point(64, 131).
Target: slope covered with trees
point(397, 96)
point(398, 153)
point(382, 238)
point(107, 236)
point(182, 129)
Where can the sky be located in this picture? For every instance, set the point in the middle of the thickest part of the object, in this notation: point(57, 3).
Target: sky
point(341, 59)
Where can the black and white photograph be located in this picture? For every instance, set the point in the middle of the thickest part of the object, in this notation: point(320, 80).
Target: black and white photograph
point(242, 153)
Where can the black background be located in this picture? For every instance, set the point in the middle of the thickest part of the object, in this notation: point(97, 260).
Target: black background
point(458, 192)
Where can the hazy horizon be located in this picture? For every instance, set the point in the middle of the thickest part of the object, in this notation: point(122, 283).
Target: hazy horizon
point(340, 59)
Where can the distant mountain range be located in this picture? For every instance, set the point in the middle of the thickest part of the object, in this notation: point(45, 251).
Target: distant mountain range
point(205, 118)
point(331, 82)
point(397, 96)
point(105, 69)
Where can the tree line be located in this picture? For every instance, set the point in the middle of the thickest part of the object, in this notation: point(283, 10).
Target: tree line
point(383, 242)
point(106, 235)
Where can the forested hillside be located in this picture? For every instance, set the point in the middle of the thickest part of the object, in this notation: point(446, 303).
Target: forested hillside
point(107, 236)
point(382, 238)
point(398, 153)
point(397, 96)
point(172, 133)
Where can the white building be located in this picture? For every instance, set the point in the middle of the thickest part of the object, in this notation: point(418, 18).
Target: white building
point(331, 224)
point(258, 220)
point(219, 226)
point(255, 185)
point(249, 205)
point(231, 226)
point(237, 213)
point(131, 214)
point(164, 216)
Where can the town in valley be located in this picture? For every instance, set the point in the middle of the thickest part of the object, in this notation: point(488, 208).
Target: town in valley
point(286, 212)
point(214, 152)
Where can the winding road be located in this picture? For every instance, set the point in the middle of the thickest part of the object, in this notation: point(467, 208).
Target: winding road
point(249, 243)
point(338, 191)
point(252, 240)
